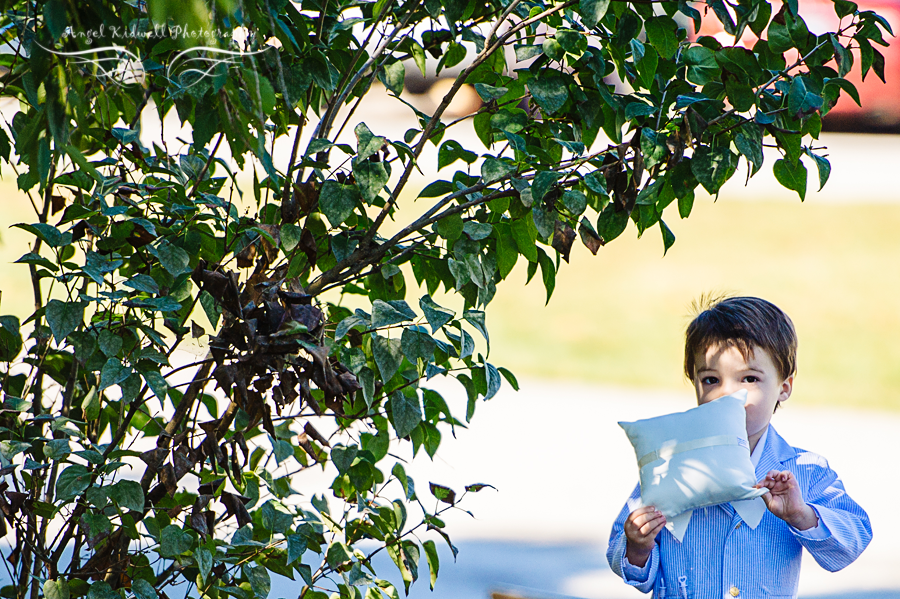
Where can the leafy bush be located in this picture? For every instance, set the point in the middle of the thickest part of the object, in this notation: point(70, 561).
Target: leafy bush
point(120, 482)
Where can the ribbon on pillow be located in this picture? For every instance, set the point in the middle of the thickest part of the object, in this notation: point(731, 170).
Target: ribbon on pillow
point(666, 453)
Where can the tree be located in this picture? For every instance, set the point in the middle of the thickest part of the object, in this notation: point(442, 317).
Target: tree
point(146, 238)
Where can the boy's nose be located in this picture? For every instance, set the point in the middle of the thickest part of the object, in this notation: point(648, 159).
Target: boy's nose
point(729, 388)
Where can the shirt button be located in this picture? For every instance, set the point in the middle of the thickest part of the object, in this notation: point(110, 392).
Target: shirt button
point(734, 591)
point(737, 527)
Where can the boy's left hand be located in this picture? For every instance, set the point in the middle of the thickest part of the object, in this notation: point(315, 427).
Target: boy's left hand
point(785, 500)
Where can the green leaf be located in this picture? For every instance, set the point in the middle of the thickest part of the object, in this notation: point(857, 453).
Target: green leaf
point(143, 589)
point(276, 517)
point(477, 231)
point(97, 524)
point(844, 8)
point(510, 378)
point(431, 556)
point(442, 493)
point(791, 175)
point(454, 55)
point(494, 169)
point(91, 405)
point(553, 49)
point(259, 578)
point(173, 258)
point(56, 589)
point(800, 100)
point(204, 560)
point(157, 383)
point(46, 233)
point(661, 35)
point(113, 373)
point(367, 143)
point(527, 51)
point(144, 283)
point(482, 125)
point(57, 449)
point(260, 90)
point(548, 274)
point(477, 319)
point(437, 316)
point(110, 342)
point(416, 343)
point(646, 63)
point(846, 86)
point(702, 65)
point(822, 165)
point(72, 482)
point(489, 92)
point(55, 18)
point(174, 541)
point(405, 413)
point(296, 546)
point(652, 146)
point(338, 554)
point(493, 380)
point(450, 227)
point(667, 236)
point(713, 166)
point(128, 494)
point(37, 259)
point(371, 178)
point(388, 355)
point(393, 76)
point(79, 159)
point(550, 92)
point(611, 223)
point(63, 317)
point(749, 143)
point(525, 234)
point(543, 182)
point(418, 54)
point(337, 201)
point(451, 151)
point(592, 11)
point(342, 457)
point(635, 109)
point(102, 590)
point(283, 450)
point(384, 314)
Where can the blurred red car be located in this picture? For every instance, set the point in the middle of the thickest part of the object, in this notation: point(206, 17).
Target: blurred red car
point(880, 109)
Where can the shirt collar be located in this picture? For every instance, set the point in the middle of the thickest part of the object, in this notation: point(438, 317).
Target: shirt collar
point(758, 450)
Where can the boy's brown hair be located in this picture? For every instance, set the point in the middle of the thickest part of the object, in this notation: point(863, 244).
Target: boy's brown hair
point(745, 323)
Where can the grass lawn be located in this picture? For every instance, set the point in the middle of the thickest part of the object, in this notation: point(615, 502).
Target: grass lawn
point(619, 317)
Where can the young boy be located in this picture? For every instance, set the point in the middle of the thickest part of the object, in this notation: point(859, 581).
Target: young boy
point(744, 343)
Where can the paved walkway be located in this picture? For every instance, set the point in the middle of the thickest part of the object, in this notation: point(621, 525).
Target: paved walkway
point(563, 468)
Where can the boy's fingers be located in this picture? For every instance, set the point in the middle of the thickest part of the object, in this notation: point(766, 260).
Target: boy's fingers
point(641, 520)
point(652, 528)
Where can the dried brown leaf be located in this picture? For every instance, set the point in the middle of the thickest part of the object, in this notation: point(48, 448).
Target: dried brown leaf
point(563, 238)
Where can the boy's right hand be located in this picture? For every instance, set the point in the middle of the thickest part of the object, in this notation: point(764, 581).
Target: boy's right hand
point(641, 528)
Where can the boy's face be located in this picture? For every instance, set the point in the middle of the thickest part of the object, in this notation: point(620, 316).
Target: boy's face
point(722, 370)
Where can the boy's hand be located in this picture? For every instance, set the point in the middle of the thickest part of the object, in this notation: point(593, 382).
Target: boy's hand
point(641, 528)
point(785, 500)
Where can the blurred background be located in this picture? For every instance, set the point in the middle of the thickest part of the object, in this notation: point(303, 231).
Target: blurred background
point(608, 347)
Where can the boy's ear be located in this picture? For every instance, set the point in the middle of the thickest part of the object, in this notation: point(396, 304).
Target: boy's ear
point(787, 386)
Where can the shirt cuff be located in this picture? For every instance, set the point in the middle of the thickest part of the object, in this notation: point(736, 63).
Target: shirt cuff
point(816, 533)
point(635, 574)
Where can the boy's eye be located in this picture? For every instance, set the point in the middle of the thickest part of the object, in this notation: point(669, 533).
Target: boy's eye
point(709, 380)
point(751, 379)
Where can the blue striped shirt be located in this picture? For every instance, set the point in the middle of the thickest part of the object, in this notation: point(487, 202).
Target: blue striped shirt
point(723, 558)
